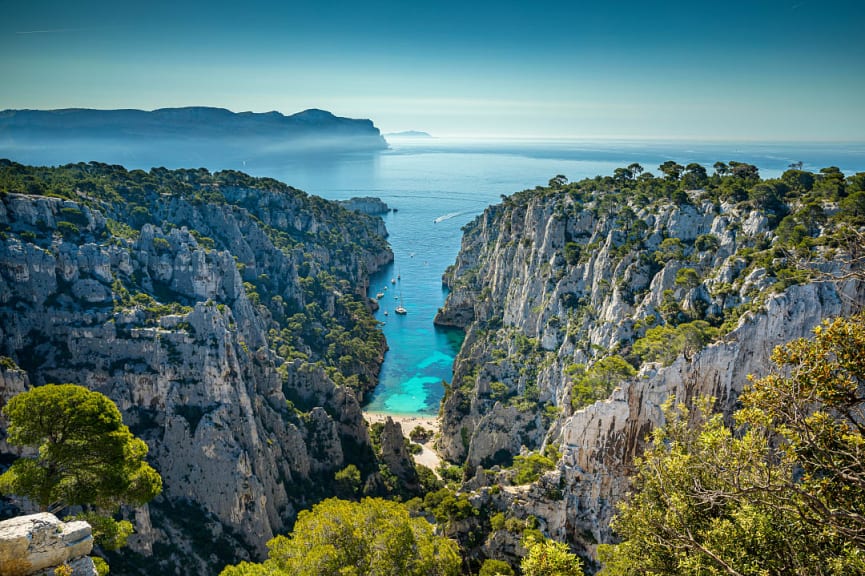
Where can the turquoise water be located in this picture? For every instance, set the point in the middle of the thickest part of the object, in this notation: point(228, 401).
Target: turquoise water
point(438, 186)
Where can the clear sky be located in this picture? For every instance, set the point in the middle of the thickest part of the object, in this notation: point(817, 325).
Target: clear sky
point(699, 69)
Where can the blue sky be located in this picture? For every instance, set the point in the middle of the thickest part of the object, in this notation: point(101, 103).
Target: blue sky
point(739, 69)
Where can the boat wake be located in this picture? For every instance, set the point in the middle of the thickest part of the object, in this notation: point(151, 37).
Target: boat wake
point(447, 217)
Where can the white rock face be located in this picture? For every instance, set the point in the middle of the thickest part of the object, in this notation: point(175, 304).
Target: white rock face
point(201, 387)
point(511, 272)
point(534, 308)
point(600, 442)
point(40, 542)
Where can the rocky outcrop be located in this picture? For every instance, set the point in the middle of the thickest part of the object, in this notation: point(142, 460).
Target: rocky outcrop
point(600, 442)
point(39, 543)
point(396, 456)
point(552, 281)
point(366, 205)
point(209, 327)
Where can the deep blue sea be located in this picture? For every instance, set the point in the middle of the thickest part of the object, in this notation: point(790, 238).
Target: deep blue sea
point(437, 186)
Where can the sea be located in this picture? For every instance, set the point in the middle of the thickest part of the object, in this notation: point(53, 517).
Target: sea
point(435, 186)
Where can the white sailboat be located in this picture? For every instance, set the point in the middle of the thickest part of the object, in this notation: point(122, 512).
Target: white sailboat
point(400, 309)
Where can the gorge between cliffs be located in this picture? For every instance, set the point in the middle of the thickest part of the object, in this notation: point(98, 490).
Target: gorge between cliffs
point(228, 318)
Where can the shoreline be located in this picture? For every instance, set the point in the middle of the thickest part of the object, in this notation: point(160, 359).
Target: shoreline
point(428, 457)
point(406, 421)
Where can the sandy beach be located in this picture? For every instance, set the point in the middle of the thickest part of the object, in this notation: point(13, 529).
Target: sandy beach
point(407, 422)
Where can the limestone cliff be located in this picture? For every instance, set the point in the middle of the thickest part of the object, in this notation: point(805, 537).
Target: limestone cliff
point(226, 316)
point(553, 283)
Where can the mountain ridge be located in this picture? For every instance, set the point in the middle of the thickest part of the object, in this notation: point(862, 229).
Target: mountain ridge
point(191, 136)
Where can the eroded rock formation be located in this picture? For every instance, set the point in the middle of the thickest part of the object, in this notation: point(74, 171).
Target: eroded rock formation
point(211, 319)
point(40, 543)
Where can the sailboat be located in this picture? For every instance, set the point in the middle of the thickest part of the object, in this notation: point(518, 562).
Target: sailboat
point(400, 309)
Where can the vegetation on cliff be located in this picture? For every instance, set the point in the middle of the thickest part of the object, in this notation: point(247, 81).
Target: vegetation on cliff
point(307, 323)
point(584, 302)
point(84, 453)
point(83, 457)
point(366, 538)
point(675, 261)
point(197, 301)
point(782, 492)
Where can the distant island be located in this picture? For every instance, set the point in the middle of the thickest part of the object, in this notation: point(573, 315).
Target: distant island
point(408, 134)
point(194, 135)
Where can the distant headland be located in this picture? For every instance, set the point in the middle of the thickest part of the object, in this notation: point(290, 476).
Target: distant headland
point(408, 134)
point(198, 134)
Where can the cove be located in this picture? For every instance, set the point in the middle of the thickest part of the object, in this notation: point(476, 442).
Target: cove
point(437, 186)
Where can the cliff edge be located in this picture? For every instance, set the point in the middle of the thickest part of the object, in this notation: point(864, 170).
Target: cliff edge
point(586, 305)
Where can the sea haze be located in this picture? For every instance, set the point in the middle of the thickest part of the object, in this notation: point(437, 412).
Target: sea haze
point(437, 186)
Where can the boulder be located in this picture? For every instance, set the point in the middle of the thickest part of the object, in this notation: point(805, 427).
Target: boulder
point(38, 543)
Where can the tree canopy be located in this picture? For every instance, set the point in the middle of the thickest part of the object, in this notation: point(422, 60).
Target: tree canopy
point(782, 492)
point(86, 455)
point(550, 558)
point(372, 537)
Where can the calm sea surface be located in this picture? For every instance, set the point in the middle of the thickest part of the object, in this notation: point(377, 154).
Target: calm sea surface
point(437, 186)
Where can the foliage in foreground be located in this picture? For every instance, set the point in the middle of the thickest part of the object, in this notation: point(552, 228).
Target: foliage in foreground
point(783, 493)
point(85, 457)
point(550, 558)
point(373, 536)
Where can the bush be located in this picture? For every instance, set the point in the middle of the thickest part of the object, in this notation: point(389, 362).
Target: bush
point(706, 242)
point(550, 558)
point(348, 480)
point(161, 245)
point(687, 277)
point(597, 382)
point(373, 536)
point(664, 344)
point(572, 253)
point(530, 467)
point(493, 567)
point(670, 249)
point(67, 229)
point(420, 434)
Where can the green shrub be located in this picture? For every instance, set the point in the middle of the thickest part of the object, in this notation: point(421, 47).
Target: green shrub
point(530, 467)
point(687, 277)
point(68, 230)
point(597, 382)
point(492, 567)
point(706, 242)
point(572, 253)
point(664, 343)
point(161, 245)
point(670, 249)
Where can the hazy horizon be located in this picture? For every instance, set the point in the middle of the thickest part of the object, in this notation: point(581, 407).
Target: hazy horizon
point(767, 70)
